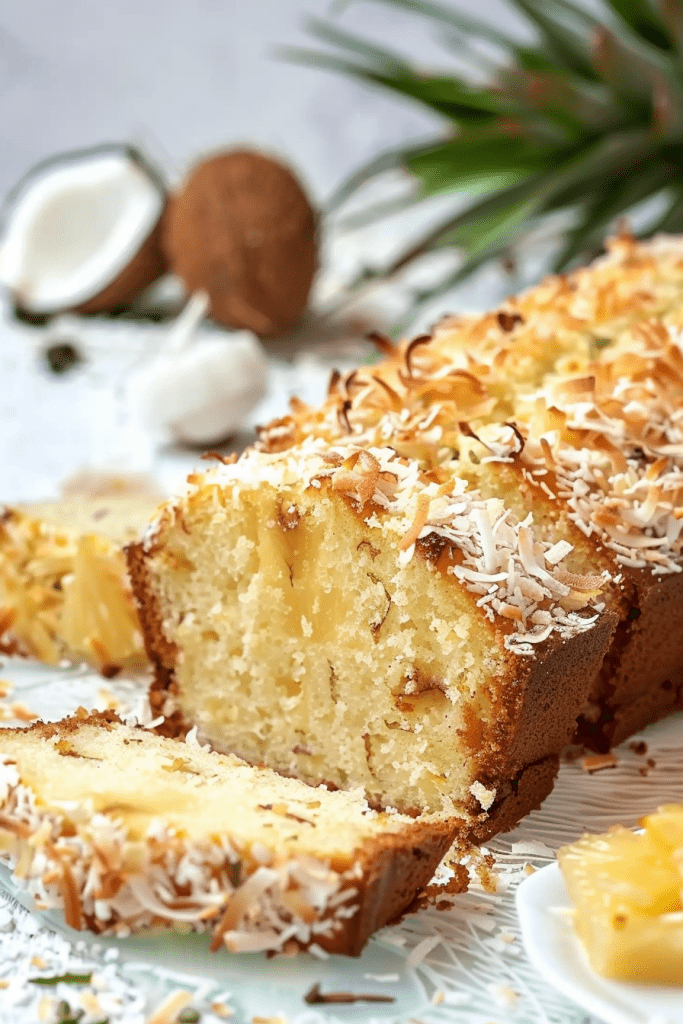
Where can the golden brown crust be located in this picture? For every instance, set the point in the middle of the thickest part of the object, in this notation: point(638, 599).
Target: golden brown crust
point(521, 795)
point(395, 870)
point(161, 653)
point(641, 679)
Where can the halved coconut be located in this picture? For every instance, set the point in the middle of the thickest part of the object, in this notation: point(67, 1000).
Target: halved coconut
point(82, 232)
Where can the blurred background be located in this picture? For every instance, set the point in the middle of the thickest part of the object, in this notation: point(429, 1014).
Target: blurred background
point(508, 138)
point(182, 78)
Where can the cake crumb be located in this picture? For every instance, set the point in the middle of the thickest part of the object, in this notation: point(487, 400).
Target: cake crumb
point(639, 747)
point(598, 762)
point(483, 795)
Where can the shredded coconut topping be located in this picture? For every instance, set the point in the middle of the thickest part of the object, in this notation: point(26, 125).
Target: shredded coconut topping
point(578, 385)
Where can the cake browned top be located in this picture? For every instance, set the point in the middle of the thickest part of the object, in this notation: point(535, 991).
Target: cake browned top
point(579, 382)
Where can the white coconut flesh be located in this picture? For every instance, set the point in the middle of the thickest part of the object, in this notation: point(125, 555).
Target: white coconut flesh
point(75, 227)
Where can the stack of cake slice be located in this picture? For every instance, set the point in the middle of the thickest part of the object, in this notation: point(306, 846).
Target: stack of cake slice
point(418, 587)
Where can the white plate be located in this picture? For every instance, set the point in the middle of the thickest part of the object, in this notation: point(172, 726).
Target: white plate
point(554, 949)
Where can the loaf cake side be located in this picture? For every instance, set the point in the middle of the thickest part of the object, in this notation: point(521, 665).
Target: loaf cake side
point(530, 364)
point(426, 528)
point(612, 450)
point(124, 831)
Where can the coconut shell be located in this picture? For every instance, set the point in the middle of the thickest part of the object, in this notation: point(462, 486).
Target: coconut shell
point(148, 264)
point(242, 229)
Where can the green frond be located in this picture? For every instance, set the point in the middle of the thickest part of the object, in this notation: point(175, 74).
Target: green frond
point(586, 120)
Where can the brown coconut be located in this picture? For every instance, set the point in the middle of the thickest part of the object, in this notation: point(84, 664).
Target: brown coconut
point(242, 229)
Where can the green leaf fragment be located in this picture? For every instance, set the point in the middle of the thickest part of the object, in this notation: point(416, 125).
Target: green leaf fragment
point(67, 979)
point(189, 1016)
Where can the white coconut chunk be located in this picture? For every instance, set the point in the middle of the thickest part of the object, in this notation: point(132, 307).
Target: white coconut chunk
point(75, 226)
point(202, 393)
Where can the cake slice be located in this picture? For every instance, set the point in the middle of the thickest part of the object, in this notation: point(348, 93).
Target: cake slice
point(64, 589)
point(124, 831)
point(590, 369)
point(609, 442)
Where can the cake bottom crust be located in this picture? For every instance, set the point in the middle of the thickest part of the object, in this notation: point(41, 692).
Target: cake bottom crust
point(523, 794)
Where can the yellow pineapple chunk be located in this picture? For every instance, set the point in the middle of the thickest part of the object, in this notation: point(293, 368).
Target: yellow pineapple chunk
point(627, 891)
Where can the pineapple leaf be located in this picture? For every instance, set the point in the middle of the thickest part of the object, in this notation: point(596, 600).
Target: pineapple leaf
point(627, 62)
point(451, 280)
point(672, 220)
point(601, 210)
point(449, 97)
point(461, 23)
point(596, 166)
point(586, 121)
point(485, 209)
point(473, 157)
point(382, 59)
point(376, 211)
point(577, 107)
point(387, 161)
point(564, 39)
point(645, 21)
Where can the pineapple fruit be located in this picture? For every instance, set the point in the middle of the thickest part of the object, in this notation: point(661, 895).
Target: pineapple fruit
point(627, 891)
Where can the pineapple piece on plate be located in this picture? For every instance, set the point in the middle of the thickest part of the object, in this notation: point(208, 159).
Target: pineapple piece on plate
point(627, 890)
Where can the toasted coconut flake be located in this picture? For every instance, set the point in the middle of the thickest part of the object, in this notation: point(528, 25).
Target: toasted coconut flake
point(419, 522)
point(422, 339)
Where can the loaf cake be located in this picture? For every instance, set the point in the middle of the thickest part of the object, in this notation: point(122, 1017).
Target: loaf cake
point(64, 589)
point(124, 830)
point(419, 586)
